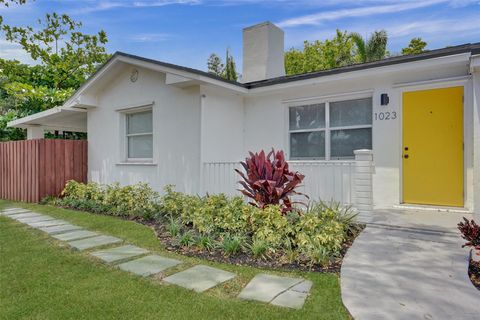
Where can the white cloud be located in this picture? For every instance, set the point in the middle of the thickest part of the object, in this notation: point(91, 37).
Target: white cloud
point(150, 37)
point(13, 51)
point(107, 5)
point(363, 11)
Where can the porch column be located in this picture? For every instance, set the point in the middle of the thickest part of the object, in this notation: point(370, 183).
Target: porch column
point(35, 132)
point(363, 186)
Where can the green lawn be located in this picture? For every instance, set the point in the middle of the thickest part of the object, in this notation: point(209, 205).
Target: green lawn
point(41, 278)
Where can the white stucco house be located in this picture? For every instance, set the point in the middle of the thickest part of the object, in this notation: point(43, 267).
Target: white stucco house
point(166, 124)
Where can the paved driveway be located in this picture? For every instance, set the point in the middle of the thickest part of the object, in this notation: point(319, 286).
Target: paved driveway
point(409, 265)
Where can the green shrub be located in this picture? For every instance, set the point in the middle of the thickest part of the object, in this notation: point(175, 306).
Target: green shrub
point(137, 200)
point(232, 245)
point(205, 242)
point(186, 239)
point(260, 249)
point(173, 227)
point(83, 191)
point(270, 225)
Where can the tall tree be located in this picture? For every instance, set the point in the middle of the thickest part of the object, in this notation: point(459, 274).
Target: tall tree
point(230, 72)
point(227, 71)
point(215, 64)
point(371, 49)
point(416, 46)
point(318, 55)
point(65, 58)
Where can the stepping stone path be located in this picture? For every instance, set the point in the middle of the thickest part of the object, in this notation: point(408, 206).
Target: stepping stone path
point(98, 241)
point(200, 278)
point(74, 235)
point(149, 265)
point(276, 290)
point(119, 253)
point(60, 229)
point(280, 291)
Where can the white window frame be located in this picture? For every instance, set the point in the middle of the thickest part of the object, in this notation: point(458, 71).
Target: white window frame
point(328, 129)
point(125, 135)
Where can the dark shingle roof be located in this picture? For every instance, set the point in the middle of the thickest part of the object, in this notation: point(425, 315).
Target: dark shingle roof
point(464, 48)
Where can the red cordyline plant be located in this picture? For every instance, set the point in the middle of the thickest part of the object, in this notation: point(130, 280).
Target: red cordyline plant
point(470, 232)
point(269, 181)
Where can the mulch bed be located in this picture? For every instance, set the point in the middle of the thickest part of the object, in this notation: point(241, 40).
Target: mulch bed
point(474, 273)
point(276, 261)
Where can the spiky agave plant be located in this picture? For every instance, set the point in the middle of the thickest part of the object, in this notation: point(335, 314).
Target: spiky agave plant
point(268, 181)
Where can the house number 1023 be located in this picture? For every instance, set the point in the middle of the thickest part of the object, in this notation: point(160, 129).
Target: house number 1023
point(387, 115)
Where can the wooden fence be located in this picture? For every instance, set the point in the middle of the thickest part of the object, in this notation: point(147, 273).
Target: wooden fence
point(33, 169)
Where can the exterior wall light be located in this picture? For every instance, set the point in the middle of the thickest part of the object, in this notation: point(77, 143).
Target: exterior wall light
point(384, 99)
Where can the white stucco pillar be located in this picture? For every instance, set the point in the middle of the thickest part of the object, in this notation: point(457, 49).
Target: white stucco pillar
point(35, 133)
point(475, 68)
point(363, 186)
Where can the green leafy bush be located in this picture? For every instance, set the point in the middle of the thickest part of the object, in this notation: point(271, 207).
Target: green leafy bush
point(232, 244)
point(137, 200)
point(260, 249)
point(314, 236)
point(205, 242)
point(270, 225)
point(187, 239)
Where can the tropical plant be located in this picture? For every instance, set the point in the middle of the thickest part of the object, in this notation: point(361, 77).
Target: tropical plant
point(416, 46)
point(268, 180)
point(470, 232)
point(371, 49)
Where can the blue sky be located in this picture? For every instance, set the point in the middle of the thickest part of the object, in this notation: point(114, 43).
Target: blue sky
point(185, 32)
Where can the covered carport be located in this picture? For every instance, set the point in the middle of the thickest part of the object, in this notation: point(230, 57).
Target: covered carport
point(55, 119)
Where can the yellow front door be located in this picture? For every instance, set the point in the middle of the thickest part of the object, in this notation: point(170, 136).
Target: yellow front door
point(433, 147)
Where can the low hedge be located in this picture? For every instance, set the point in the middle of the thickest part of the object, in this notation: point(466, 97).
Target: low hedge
point(315, 235)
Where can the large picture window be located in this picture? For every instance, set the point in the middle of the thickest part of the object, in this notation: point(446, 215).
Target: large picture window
point(139, 135)
point(330, 130)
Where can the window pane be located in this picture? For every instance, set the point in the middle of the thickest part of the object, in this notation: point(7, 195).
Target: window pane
point(140, 146)
point(343, 142)
point(307, 145)
point(307, 117)
point(140, 122)
point(351, 112)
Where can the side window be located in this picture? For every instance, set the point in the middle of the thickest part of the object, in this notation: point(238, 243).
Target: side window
point(139, 135)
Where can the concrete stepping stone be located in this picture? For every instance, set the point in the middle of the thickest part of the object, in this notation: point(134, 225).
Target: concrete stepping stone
point(60, 229)
point(290, 299)
point(265, 287)
point(7, 212)
point(89, 243)
point(36, 219)
point(199, 278)
point(24, 215)
point(75, 235)
point(119, 253)
point(148, 265)
point(47, 223)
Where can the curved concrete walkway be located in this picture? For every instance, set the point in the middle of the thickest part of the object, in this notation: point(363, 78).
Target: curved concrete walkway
point(409, 265)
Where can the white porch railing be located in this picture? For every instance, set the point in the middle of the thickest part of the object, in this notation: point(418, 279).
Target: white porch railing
point(326, 180)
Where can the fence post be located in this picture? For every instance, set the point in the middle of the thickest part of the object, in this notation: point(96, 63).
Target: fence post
point(363, 188)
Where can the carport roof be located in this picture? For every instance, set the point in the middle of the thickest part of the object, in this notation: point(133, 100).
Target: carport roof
point(58, 118)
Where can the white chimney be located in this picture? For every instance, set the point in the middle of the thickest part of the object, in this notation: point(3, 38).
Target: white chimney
point(263, 52)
